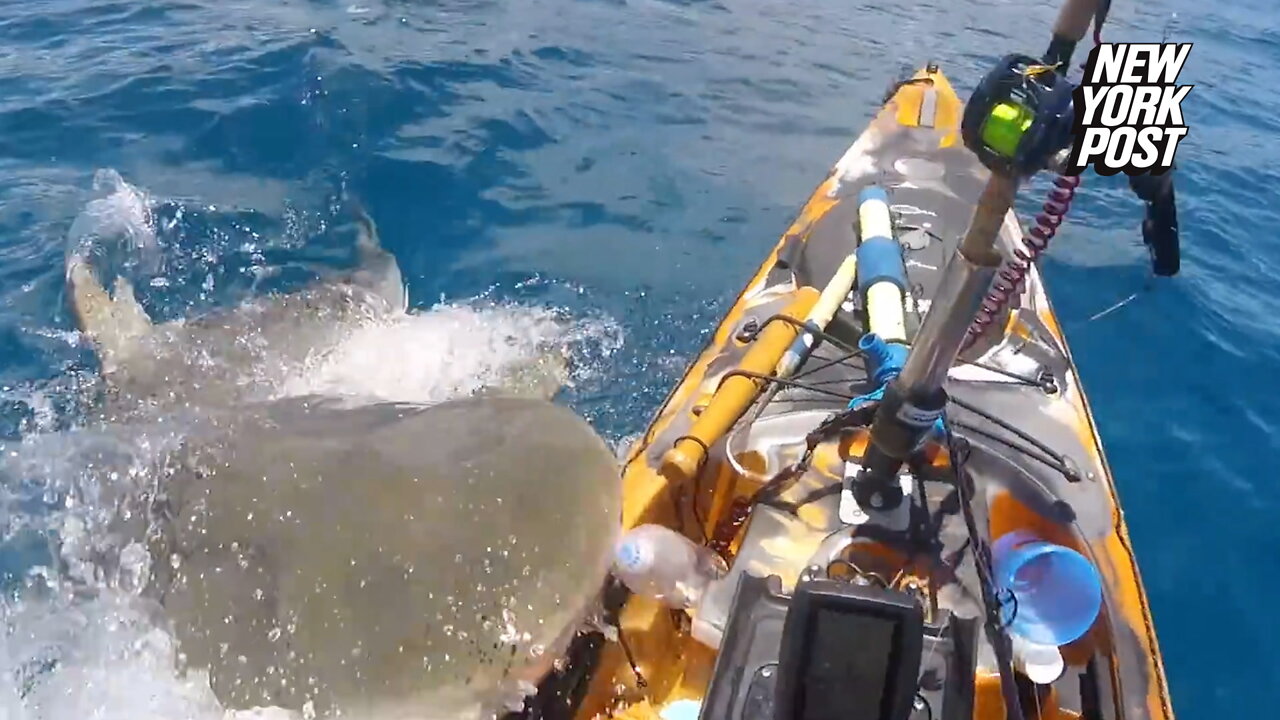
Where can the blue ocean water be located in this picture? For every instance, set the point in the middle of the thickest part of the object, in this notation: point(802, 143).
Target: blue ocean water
point(634, 159)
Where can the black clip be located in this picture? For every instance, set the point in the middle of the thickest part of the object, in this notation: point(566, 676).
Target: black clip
point(1160, 226)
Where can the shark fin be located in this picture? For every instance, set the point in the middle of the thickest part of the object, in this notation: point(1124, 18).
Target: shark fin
point(378, 269)
point(367, 239)
point(114, 324)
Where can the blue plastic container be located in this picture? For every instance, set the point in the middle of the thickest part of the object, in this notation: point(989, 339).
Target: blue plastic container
point(1058, 591)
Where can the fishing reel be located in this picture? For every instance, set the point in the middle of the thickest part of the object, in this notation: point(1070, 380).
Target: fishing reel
point(1019, 117)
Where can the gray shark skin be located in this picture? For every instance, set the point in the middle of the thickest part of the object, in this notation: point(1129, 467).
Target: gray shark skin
point(222, 357)
point(377, 561)
point(230, 355)
point(387, 561)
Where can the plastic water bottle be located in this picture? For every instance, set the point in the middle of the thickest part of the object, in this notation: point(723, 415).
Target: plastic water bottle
point(1058, 592)
point(660, 563)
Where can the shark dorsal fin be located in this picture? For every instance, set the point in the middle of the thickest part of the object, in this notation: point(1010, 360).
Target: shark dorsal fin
point(115, 323)
point(378, 270)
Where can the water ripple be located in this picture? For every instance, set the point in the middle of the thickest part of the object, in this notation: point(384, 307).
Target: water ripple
point(637, 158)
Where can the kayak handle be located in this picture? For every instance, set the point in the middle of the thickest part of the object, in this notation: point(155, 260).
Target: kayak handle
point(736, 392)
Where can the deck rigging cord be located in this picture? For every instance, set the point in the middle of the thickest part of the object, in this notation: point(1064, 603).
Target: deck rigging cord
point(1018, 122)
point(1038, 450)
point(993, 620)
point(994, 602)
point(769, 493)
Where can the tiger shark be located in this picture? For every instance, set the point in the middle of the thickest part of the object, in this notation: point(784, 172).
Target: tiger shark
point(218, 358)
point(233, 354)
point(379, 560)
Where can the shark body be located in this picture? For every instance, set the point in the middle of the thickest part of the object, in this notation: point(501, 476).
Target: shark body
point(382, 560)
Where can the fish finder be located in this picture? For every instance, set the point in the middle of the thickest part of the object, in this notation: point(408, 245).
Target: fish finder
point(849, 652)
point(833, 650)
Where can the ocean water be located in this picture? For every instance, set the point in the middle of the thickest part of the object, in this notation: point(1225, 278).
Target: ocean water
point(603, 175)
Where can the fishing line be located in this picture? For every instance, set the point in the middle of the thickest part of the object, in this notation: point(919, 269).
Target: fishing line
point(1113, 308)
point(1147, 287)
point(1164, 36)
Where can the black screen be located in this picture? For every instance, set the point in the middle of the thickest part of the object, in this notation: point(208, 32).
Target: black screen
point(848, 666)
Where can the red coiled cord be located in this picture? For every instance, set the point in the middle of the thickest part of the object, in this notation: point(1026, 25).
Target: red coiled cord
point(1010, 277)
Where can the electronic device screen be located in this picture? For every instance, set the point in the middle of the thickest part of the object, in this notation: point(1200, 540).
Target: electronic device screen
point(840, 682)
point(848, 653)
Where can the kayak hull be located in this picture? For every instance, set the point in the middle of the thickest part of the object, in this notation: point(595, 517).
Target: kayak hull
point(1020, 371)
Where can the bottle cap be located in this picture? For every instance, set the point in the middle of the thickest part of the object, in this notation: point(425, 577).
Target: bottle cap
point(634, 555)
point(1042, 664)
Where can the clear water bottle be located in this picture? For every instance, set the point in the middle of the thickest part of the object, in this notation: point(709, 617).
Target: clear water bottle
point(1057, 591)
point(660, 563)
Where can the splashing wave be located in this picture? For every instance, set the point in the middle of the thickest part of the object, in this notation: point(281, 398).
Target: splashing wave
point(77, 638)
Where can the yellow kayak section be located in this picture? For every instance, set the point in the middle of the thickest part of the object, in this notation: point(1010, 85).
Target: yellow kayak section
point(715, 440)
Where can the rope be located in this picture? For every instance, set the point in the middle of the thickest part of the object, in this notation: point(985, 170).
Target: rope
point(994, 622)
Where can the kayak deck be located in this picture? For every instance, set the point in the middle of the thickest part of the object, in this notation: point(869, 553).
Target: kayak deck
point(1033, 450)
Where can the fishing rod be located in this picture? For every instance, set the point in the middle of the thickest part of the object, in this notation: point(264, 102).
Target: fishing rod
point(1018, 119)
point(1019, 122)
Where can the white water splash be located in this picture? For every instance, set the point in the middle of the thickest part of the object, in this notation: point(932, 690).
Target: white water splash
point(102, 659)
point(455, 350)
point(79, 641)
point(120, 212)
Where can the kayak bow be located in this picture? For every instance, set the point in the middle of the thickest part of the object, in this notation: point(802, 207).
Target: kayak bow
point(767, 477)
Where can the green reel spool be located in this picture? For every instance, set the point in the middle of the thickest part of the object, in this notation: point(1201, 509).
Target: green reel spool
point(1019, 116)
point(1005, 126)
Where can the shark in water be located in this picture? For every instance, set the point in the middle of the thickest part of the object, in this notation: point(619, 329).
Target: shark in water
point(232, 354)
point(385, 561)
point(372, 560)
